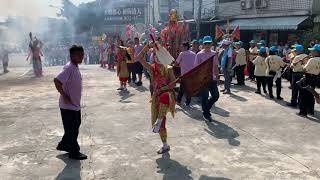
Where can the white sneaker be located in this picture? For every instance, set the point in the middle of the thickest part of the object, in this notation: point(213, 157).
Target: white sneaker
point(157, 126)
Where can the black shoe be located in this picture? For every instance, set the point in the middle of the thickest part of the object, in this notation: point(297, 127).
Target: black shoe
point(62, 148)
point(258, 92)
point(226, 92)
point(301, 115)
point(311, 113)
point(279, 98)
point(240, 84)
point(291, 105)
point(78, 156)
point(271, 96)
point(207, 118)
point(139, 83)
point(265, 91)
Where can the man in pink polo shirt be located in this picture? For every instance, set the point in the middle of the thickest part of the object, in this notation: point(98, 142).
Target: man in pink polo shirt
point(186, 62)
point(69, 85)
point(202, 56)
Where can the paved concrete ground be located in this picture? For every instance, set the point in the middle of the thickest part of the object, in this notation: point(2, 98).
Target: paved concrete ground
point(252, 138)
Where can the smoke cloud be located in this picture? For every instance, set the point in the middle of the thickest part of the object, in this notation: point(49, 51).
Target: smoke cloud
point(29, 8)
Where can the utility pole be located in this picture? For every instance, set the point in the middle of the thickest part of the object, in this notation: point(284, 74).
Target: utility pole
point(199, 19)
point(193, 6)
point(147, 12)
point(169, 5)
point(153, 18)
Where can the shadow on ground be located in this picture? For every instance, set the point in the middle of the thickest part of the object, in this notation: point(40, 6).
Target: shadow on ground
point(239, 98)
point(222, 131)
point(203, 177)
point(243, 88)
point(172, 169)
point(221, 112)
point(71, 170)
point(124, 96)
point(141, 88)
point(196, 113)
point(193, 113)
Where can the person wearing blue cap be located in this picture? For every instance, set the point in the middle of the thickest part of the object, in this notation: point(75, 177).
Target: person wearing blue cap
point(262, 43)
point(297, 73)
point(312, 70)
point(202, 56)
point(241, 61)
point(260, 70)
point(274, 64)
point(253, 52)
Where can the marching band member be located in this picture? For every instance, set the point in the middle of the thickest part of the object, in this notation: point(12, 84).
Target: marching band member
point(297, 72)
point(260, 70)
point(274, 64)
point(312, 69)
point(253, 50)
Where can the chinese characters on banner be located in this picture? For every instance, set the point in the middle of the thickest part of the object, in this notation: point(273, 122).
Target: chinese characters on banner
point(122, 15)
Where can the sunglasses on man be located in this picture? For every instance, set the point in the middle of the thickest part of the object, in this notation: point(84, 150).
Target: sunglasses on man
point(206, 43)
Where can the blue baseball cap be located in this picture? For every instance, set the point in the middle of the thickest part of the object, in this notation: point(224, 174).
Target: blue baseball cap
point(273, 49)
point(252, 42)
point(315, 48)
point(298, 47)
point(262, 50)
point(207, 39)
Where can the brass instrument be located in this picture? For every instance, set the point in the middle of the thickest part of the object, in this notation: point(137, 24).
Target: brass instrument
point(302, 60)
point(309, 88)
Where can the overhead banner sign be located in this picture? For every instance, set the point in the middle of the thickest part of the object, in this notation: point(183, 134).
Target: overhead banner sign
point(125, 15)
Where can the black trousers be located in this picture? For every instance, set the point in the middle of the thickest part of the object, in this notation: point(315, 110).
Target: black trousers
point(138, 68)
point(261, 81)
point(132, 74)
point(240, 74)
point(296, 76)
point(270, 85)
point(208, 103)
point(180, 95)
point(71, 123)
point(306, 98)
point(251, 67)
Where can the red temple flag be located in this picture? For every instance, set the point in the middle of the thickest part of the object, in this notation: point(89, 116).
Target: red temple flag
point(219, 32)
point(236, 33)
